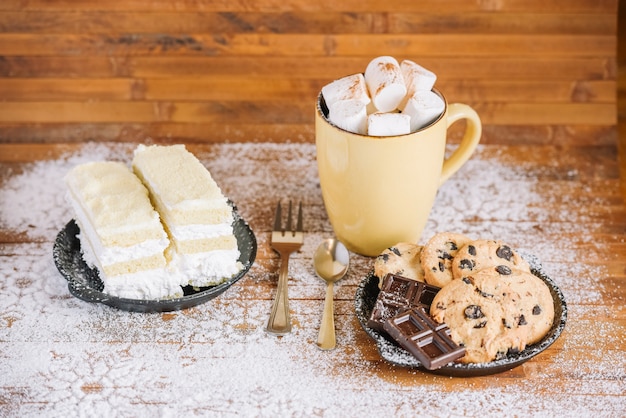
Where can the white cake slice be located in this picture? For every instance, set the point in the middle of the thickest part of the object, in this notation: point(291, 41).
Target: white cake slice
point(195, 212)
point(120, 232)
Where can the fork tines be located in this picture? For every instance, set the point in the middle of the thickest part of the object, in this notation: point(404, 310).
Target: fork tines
point(289, 226)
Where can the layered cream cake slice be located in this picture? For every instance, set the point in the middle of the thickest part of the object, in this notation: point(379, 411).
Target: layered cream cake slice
point(120, 232)
point(195, 212)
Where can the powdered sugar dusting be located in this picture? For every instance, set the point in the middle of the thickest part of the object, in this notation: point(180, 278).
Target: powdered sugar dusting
point(65, 357)
point(33, 201)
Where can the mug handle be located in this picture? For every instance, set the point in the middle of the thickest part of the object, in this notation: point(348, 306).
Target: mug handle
point(473, 130)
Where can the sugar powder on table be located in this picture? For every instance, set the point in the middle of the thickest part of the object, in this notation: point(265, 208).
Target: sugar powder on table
point(216, 358)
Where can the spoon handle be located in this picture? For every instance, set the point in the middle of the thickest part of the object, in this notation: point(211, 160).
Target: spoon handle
point(280, 320)
point(326, 337)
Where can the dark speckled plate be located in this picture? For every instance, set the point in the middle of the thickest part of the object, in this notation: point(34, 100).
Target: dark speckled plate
point(84, 282)
point(365, 298)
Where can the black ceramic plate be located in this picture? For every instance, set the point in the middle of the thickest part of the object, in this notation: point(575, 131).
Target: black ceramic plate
point(365, 298)
point(85, 284)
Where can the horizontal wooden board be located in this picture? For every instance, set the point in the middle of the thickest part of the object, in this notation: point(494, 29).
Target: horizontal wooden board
point(143, 111)
point(27, 89)
point(321, 68)
point(306, 45)
point(546, 113)
point(427, 6)
point(297, 21)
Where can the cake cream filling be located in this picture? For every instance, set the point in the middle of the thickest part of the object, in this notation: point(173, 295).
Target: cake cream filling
point(154, 283)
point(87, 249)
point(199, 231)
point(117, 254)
point(208, 268)
point(108, 255)
point(147, 284)
point(203, 268)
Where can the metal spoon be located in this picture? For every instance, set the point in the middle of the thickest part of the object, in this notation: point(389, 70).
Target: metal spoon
point(331, 261)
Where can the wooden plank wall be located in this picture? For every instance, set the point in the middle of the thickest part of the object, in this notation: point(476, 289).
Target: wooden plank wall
point(621, 93)
point(244, 70)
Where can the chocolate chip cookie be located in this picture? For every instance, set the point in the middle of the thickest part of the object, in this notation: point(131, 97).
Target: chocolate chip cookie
point(402, 259)
point(483, 253)
point(437, 256)
point(482, 315)
point(535, 308)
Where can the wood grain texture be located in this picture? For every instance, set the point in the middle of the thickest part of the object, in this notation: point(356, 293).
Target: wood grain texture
point(621, 94)
point(567, 210)
point(430, 6)
point(236, 80)
point(100, 70)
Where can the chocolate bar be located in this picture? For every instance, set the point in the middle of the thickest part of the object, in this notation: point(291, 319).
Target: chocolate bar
point(421, 336)
point(397, 294)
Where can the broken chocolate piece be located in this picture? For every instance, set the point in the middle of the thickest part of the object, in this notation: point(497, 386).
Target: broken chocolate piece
point(397, 294)
point(427, 340)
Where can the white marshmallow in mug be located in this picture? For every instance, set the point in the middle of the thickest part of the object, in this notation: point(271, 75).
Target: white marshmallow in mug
point(385, 83)
point(351, 87)
point(388, 124)
point(349, 115)
point(423, 108)
point(416, 78)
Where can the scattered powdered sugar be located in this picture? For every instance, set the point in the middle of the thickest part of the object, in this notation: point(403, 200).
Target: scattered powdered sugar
point(33, 202)
point(64, 357)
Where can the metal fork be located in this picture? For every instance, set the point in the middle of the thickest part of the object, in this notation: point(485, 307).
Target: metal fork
point(284, 241)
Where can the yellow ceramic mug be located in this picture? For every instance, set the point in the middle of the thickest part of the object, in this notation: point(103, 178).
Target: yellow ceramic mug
point(379, 191)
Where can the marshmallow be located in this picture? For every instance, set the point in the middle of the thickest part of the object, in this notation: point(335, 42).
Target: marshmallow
point(351, 87)
point(388, 124)
point(350, 115)
point(416, 77)
point(423, 108)
point(385, 83)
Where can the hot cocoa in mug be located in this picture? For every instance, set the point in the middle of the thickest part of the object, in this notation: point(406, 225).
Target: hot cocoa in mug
point(379, 190)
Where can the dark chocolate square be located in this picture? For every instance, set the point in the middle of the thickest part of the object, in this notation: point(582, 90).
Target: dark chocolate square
point(421, 336)
point(397, 294)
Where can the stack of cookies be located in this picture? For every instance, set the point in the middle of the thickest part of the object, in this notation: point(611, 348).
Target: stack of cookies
point(488, 298)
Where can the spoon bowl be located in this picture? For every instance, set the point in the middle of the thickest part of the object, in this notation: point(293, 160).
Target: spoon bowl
point(331, 261)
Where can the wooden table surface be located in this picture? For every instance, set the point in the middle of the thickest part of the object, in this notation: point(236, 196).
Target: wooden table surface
point(61, 356)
